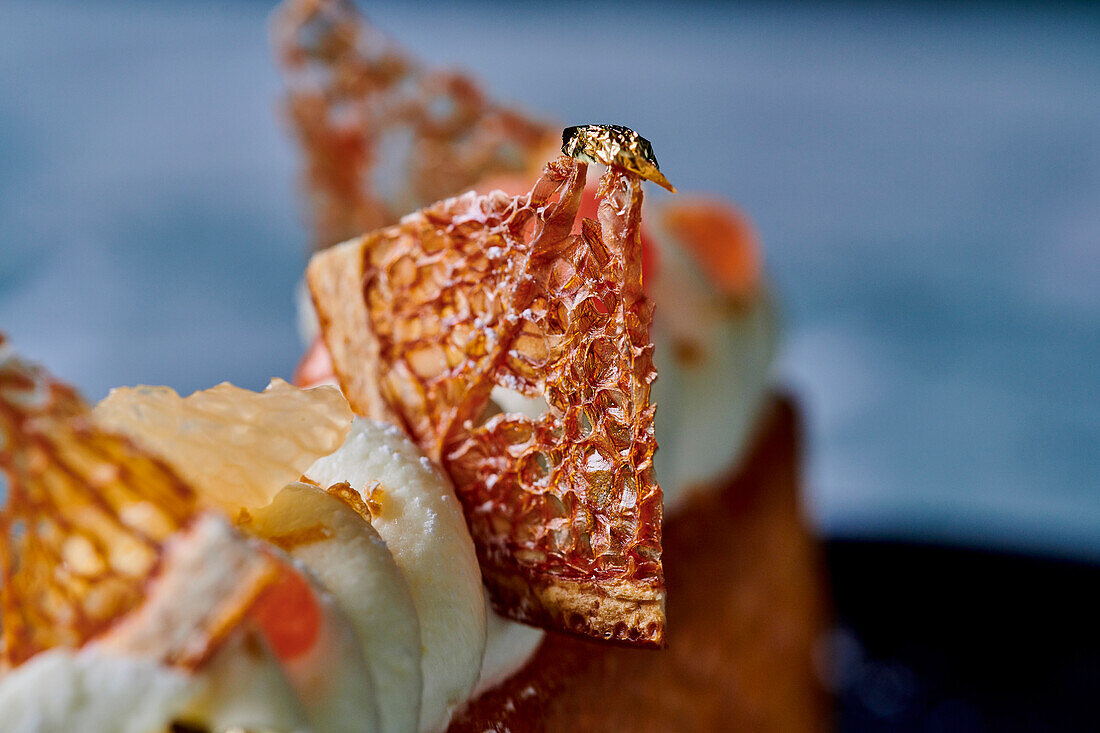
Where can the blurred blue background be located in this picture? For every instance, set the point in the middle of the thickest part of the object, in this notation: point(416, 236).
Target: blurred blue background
point(926, 183)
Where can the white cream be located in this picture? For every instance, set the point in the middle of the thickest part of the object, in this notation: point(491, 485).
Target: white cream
point(425, 530)
point(243, 686)
point(423, 526)
point(332, 680)
point(353, 563)
point(713, 358)
point(62, 690)
point(93, 689)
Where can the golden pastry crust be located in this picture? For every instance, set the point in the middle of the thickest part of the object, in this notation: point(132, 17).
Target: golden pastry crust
point(336, 286)
point(619, 611)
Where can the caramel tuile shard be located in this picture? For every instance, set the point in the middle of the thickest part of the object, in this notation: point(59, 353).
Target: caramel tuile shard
point(383, 135)
point(94, 533)
point(86, 517)
point(477, 293)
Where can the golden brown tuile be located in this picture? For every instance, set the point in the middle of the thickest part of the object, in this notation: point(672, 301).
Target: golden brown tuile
point(477, 293)
point(383, 135)
point(100, 540)
point(86, 516)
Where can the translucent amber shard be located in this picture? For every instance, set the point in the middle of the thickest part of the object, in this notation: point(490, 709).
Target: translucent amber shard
point(381, 134)
point(426, 318)
point(93, 531)
point(85, 518)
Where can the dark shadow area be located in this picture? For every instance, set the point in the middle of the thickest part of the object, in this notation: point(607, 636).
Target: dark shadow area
point(932, 638)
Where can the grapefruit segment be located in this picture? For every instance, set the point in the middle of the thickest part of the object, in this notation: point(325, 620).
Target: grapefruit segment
point(236, 447)
point(722, 240)
point(423, 320)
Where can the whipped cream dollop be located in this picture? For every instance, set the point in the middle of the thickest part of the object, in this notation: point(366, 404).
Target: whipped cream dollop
point(713, 355)
point(353, 564)
point(421, 521)
point(94, 689)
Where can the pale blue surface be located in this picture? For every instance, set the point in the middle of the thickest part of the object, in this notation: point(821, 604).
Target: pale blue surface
point(927, 185)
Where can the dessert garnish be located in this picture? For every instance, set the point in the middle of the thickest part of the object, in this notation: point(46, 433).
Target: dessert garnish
point(363, 483)
point(118, 541)
point(614, 145)
point(92, 527)
point(479, 293)
point(382, 134)
point(237, 448)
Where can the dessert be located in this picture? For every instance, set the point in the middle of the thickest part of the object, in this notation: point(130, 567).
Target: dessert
point(238, 560)
point(714, 331)
point(574, 682)
point(118, 583)
point(383, 135)
point(250, 597)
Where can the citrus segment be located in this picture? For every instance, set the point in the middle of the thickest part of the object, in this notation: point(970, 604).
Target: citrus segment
point(315, 368)
point(236, 447)
point(289, 616)
point(721, 239)
point(482, 292)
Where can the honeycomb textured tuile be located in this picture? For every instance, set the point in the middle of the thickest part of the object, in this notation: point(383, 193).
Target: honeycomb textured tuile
point(85, 519)
point(100, 540)
point(382, 135)
point(478, 294)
